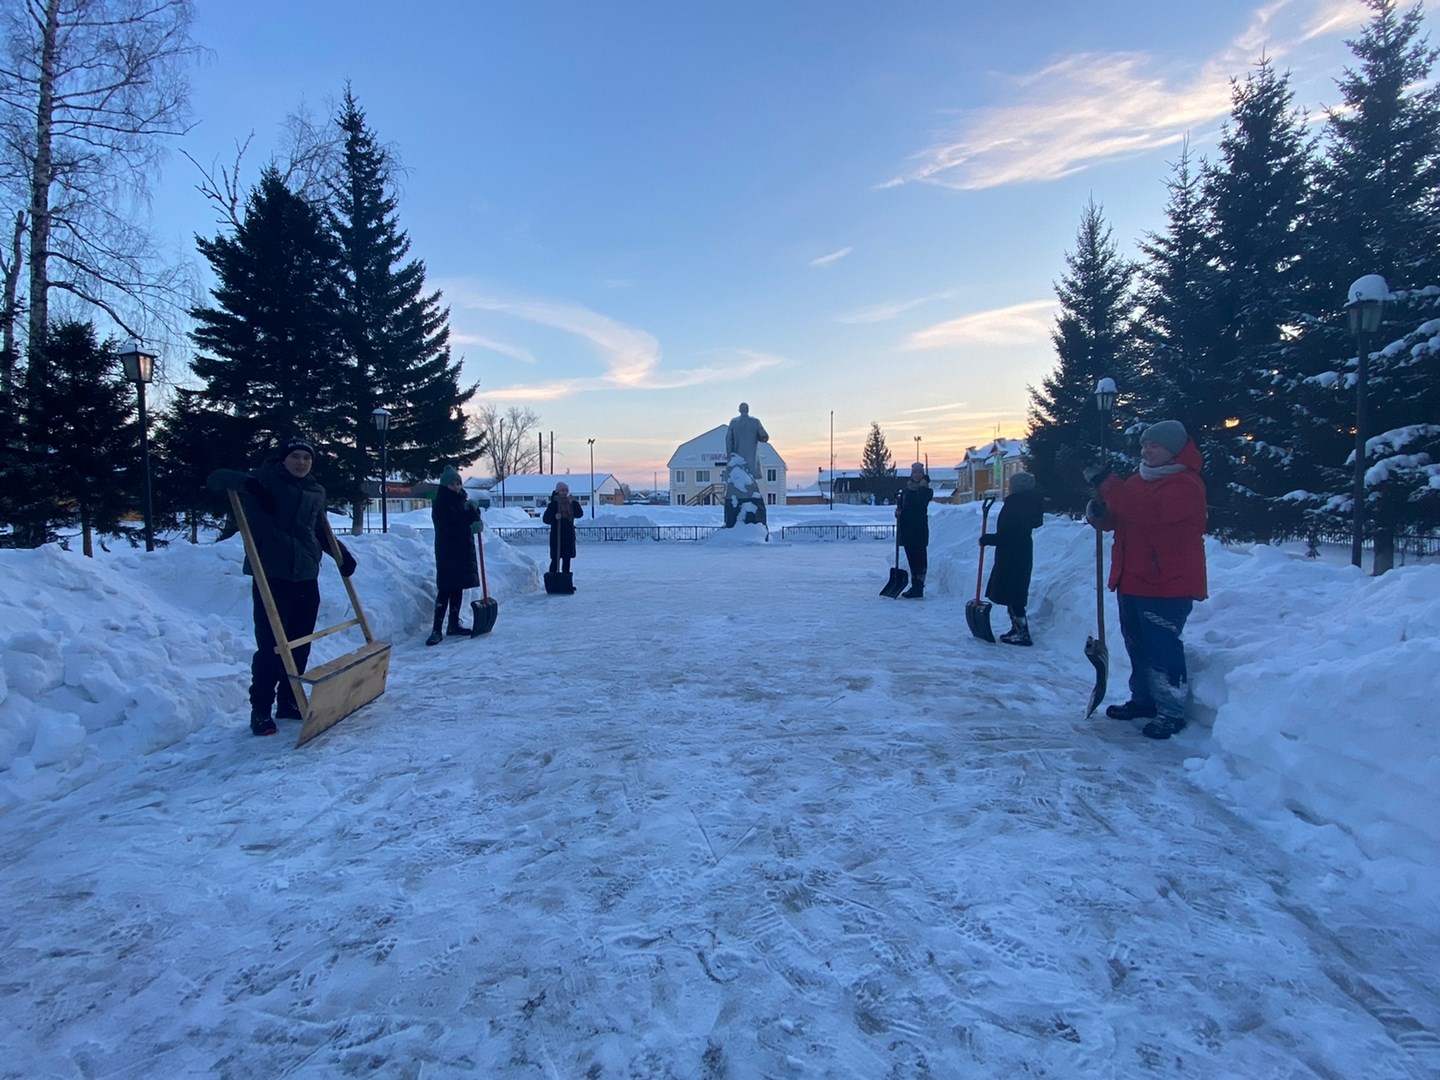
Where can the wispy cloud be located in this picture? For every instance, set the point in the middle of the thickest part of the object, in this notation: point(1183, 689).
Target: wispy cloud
point(515, 352)
point(1018, 324)
point(882, 312)
point(833, 257)
point(630, 358)
point(1091, 107)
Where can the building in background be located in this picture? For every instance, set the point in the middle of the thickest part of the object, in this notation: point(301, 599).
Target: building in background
point(986, 470)
point(697, 472)
point(531, 491)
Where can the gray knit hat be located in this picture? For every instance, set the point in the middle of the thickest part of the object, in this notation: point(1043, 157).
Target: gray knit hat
point(1170, 434)
point(449, 476)
point(1022, 481)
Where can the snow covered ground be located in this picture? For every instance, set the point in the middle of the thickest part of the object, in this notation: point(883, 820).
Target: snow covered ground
point(723, 813)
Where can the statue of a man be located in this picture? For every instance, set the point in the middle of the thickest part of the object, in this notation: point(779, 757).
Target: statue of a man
point(743, 437)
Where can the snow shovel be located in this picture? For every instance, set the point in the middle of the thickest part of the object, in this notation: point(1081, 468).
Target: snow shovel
point(484, 611)
point(898, 578)
point(977, 611)
point(1095, 649)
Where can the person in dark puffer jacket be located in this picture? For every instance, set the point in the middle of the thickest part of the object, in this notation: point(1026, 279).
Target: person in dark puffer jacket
point(912, 527)
point(1157, 568)
point(456, 522)
point(1021, 514)
point(285, 508)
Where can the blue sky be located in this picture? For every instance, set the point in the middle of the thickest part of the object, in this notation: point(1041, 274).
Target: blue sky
point(641, 214)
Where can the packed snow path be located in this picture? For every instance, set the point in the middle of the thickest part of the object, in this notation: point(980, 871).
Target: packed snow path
point(726, 814)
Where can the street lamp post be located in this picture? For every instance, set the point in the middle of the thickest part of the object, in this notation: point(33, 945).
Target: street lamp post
point(1105, 394)
point(592, 473)
point(1365, 308)
point(382, 425)
point(139, 367)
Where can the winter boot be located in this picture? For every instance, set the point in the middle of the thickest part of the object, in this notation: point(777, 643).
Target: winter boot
point(435, 638)
point(1162, 727)
point(287, 710)
point(1019, 632)
point(455, 628)
point(567, 582)
point(916, 590)
point(1131, 710)
point(260, 723)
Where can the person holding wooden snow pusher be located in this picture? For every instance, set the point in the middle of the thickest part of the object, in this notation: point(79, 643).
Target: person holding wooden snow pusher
point(285, 508)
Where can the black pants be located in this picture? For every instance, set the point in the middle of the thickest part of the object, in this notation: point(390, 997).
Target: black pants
point(298, 603)
point(564, 564)
point(915, 555)
point(449, 598)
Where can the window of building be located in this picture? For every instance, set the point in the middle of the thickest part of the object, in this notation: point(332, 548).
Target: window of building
point(770, 499)
point(679, 476)
point(770, 476)
point(702, 476)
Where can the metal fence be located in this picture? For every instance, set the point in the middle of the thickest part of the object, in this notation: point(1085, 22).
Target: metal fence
point(837, 532)
point(522, 534)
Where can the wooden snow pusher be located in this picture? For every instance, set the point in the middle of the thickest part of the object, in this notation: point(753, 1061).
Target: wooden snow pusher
point(328, 693)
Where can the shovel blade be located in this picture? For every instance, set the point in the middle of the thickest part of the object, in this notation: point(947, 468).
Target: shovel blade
point(896, 585)
point(1099, 655)
point(485, 613)
point(977, 617)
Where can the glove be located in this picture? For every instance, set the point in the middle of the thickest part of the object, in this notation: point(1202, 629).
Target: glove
point(262, 495)
point(475, 528)
point(987, 540)
point(1095, 512)
point(347, 562)
point(1095, 474)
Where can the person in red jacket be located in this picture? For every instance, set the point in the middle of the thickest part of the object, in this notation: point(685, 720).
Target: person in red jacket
point(1157, 568)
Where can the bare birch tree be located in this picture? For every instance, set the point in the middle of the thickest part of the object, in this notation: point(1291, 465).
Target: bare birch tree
point(89, 89)
point(508, 445)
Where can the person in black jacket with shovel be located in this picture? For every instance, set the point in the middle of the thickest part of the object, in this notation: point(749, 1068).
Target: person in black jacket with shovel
point(456, 521)
point(912, 527)
point(1020, 515)
point(285, 508)
point(561, 515)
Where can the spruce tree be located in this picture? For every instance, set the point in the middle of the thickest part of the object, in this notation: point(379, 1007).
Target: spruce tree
point(1377, 210)
point(1177, 329)
point(397, 333)
point(877, 464)
point(274, 354)
point(1094, 338)
point(81, 463)
point(1256, 197)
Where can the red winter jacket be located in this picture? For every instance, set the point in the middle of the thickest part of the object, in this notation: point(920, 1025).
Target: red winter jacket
point(1159, 530)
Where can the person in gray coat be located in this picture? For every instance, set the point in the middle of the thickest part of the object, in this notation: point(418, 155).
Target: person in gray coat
point(456, 521)
point(285, 508)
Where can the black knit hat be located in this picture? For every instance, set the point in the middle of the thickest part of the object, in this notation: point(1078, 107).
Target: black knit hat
point(297, 443)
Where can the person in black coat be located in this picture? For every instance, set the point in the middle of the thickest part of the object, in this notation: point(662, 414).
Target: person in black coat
point(285, 509)
point(1020, 515)
point(912, 527)
point(561, 515)
point(456, 521)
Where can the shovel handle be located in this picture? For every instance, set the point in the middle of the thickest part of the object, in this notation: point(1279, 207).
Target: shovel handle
point(480, 549)
point(984, 523)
